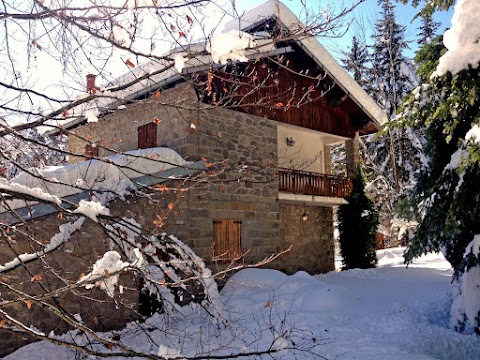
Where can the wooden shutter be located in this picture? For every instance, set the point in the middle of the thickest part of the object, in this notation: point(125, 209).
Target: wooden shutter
point(147, 136)
point(91, 151)
point(227, 237)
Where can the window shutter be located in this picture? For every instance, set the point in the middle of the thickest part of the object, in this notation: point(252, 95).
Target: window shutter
point(91, 151)
point(227, 239)
point(147, 136)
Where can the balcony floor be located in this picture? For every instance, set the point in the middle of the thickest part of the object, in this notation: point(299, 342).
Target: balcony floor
point(315, 200)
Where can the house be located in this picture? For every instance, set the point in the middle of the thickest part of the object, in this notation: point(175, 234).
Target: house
point(264, 129)
point(254, 139)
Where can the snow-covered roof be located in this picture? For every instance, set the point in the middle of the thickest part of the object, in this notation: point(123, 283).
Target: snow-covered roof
point(115, 175)
point(160, 74)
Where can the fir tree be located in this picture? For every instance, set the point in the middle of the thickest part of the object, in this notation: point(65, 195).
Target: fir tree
point(355, 61)
point(390, 159)
point(358, 224)
point(446, 200)
point(393, 73)
point(427, 29)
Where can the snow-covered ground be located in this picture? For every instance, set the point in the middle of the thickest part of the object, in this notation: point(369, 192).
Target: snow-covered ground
point(391, 312)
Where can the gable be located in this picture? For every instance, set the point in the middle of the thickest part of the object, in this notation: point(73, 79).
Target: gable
point(290, 88)
point(280, 36)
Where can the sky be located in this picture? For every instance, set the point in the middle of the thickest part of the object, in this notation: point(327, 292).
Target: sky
point(367, 13)
point(44, 72)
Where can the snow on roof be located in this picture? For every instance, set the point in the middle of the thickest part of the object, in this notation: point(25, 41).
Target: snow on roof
point(161, 73)
point(115, 175)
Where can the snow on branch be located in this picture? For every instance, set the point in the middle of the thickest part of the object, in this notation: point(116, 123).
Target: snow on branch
point(31, 192)
point(60, 238)
point(106, 271)
point(91, 209)
point(230, 46)
point(462, 40)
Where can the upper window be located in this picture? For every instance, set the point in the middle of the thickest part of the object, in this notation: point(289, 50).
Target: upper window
point(147, 136)
point(91, 151)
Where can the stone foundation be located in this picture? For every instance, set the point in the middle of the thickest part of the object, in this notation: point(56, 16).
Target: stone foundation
point(311, 239)
point(56, 270)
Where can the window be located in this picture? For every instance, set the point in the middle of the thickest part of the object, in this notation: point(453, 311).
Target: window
point(147, 136)
point(227, 235)
point(91, 151)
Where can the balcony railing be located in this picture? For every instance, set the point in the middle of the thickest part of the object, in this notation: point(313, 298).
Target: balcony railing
point(309, 183)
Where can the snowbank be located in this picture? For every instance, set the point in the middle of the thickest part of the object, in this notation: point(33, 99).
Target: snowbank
point(390, 313)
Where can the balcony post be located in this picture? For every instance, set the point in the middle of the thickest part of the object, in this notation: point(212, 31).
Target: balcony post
point(327, 159)
point(352, 148)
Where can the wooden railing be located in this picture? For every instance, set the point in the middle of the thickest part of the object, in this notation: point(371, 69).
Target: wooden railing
point(309, 183)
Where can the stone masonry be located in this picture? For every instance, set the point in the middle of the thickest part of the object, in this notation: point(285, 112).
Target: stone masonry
point(311, 239)
point(240, 151)
point(56, 270)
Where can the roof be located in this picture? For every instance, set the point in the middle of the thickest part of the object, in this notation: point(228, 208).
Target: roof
point(67, 185)
point(158, 75)
point(275, 8)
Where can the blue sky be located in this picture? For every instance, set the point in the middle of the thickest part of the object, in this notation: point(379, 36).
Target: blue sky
point(367, 12)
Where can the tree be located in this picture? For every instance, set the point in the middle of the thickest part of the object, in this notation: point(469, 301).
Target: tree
point(355, 61)
point(445, 202)
point(427, 29)
point(358, 224)
point(110, 39)
point(390, 159)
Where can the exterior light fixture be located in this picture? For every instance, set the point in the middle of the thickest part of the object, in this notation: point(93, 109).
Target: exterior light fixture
point(290, 141)
point(304, 215)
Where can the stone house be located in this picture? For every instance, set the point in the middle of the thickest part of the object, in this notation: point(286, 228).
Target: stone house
point(258, 134)
point(268, 185)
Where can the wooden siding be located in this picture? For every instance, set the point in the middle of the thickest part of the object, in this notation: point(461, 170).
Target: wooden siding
point(280, 92)
point(308, 183)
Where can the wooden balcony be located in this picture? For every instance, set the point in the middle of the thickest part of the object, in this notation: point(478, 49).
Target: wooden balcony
point(308, 183)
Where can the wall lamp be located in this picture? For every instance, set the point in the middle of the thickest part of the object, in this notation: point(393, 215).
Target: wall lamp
point(290, 141)
point(304, 215)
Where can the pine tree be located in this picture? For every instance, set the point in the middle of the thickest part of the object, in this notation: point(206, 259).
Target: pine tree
point(358, 224)
point(446, 199)
point(355, 61)
point(393, 73)
point(390, 159)
point(427, 29)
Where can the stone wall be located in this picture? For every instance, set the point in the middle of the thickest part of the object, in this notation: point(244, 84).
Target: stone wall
point(56, 270)
point(311, 239)
point(118, 131)
point(240, 151)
